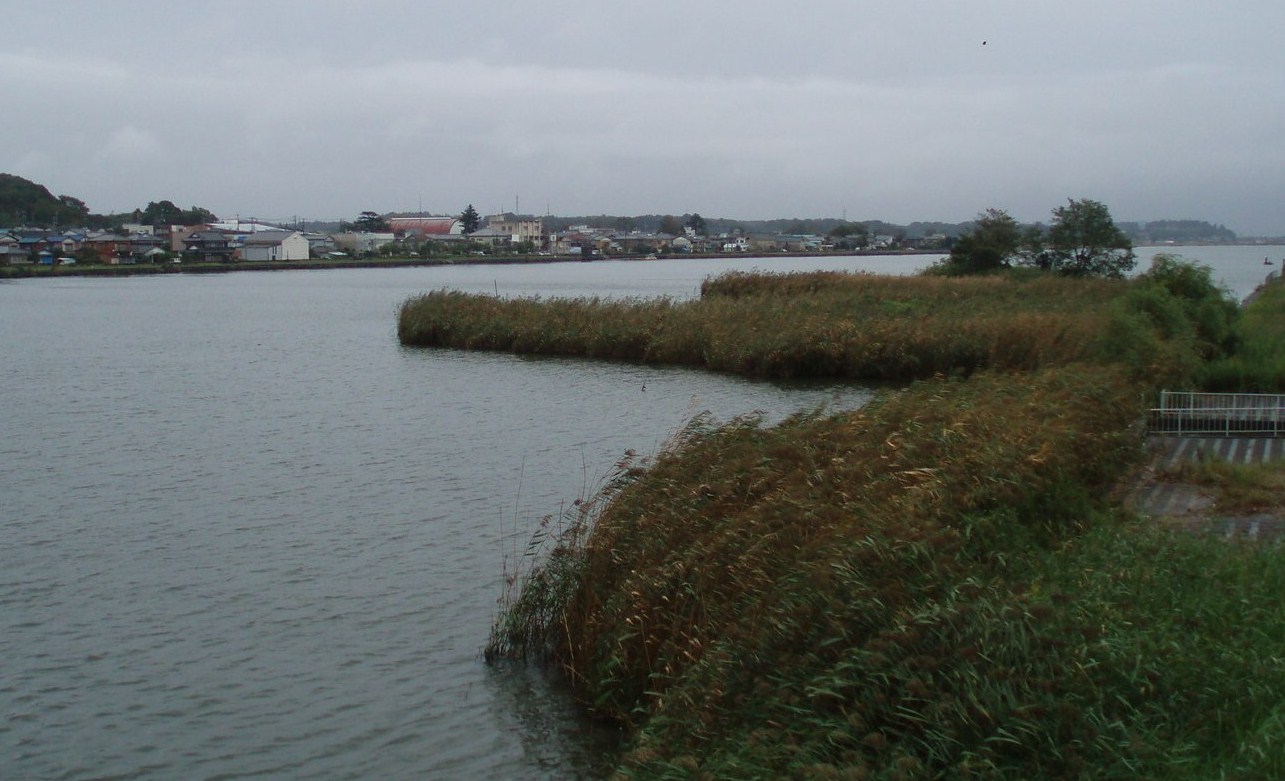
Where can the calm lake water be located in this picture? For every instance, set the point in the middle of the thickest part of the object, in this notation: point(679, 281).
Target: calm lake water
point(245, 534)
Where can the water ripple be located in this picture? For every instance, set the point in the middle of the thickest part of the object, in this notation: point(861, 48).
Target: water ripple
point(246, 535)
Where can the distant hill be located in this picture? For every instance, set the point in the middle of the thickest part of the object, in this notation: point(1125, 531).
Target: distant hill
point(26, 203)
point(23, 202)
point(1177, 232)
point(1155, 232)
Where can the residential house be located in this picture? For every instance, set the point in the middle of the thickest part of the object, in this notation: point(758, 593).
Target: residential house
point(145, 246)
point(11, 251)
point(639, 243)
point(63, 244)
point(178, 235)
point(320, 244)
point(208, 245)
point(584, 242)
point(495, 239)
point(764, 243)
point(801, 242)
point(274, 245)
point(32, 243)
point(110, 248)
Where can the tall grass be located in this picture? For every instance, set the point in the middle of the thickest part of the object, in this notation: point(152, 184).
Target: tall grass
point(1258, 363)
point(931, 587)
point(832, 324)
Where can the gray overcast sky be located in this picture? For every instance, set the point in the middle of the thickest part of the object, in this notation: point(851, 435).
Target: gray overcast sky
point(749, 109)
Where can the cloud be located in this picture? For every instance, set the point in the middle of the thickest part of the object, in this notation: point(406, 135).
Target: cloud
point(131, 145)
point(894, 112)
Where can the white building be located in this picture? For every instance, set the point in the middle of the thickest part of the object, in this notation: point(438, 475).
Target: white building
point(274, 245)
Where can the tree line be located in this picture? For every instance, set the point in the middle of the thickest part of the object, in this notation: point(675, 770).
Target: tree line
point(23, 202)
point(1081, 241)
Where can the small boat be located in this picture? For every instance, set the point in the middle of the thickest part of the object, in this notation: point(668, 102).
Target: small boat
point(1267, 262)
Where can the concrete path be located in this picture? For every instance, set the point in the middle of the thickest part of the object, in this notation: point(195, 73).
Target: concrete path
point(1186, 506)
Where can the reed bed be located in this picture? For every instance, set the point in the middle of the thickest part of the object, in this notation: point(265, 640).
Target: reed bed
point(829, 324)
point(930, 587)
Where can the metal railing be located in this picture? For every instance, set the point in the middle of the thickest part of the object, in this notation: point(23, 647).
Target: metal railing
point(1218, 414)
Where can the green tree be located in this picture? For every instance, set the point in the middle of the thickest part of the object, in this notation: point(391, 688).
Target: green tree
point(849, 235)
point(994, 243)
point(671, 225)
point(470, 221)
point(1085, 242)
point(163, 213)
point(697, 224)
point(166, 213)
point(370, 222)
point(87, 255)
point(197, 216)
point(23, 202)
point(74, 206)
point(1210, 310)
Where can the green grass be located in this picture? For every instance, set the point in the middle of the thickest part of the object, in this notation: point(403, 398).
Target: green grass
point(1258, 363)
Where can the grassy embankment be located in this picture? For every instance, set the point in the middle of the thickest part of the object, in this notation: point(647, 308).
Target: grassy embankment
point(930, 587)
point(1258, 364)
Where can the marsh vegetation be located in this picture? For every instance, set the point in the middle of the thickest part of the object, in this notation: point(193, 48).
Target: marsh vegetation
point(836, 324)
point(934, 586)
point(1258, 363)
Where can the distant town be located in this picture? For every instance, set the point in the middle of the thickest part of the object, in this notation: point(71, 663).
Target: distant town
point(37, 228)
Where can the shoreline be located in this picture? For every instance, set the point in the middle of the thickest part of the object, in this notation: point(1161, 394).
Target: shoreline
point(33, 271)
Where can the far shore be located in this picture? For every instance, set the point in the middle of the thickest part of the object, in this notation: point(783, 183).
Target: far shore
point(35, 271)
point(40, 271)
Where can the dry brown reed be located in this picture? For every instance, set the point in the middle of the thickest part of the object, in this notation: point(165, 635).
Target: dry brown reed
point(931, 587)
point(924, 585)
point(824, 324)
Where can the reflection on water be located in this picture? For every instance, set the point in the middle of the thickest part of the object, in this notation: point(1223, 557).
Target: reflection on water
point(557, 737)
